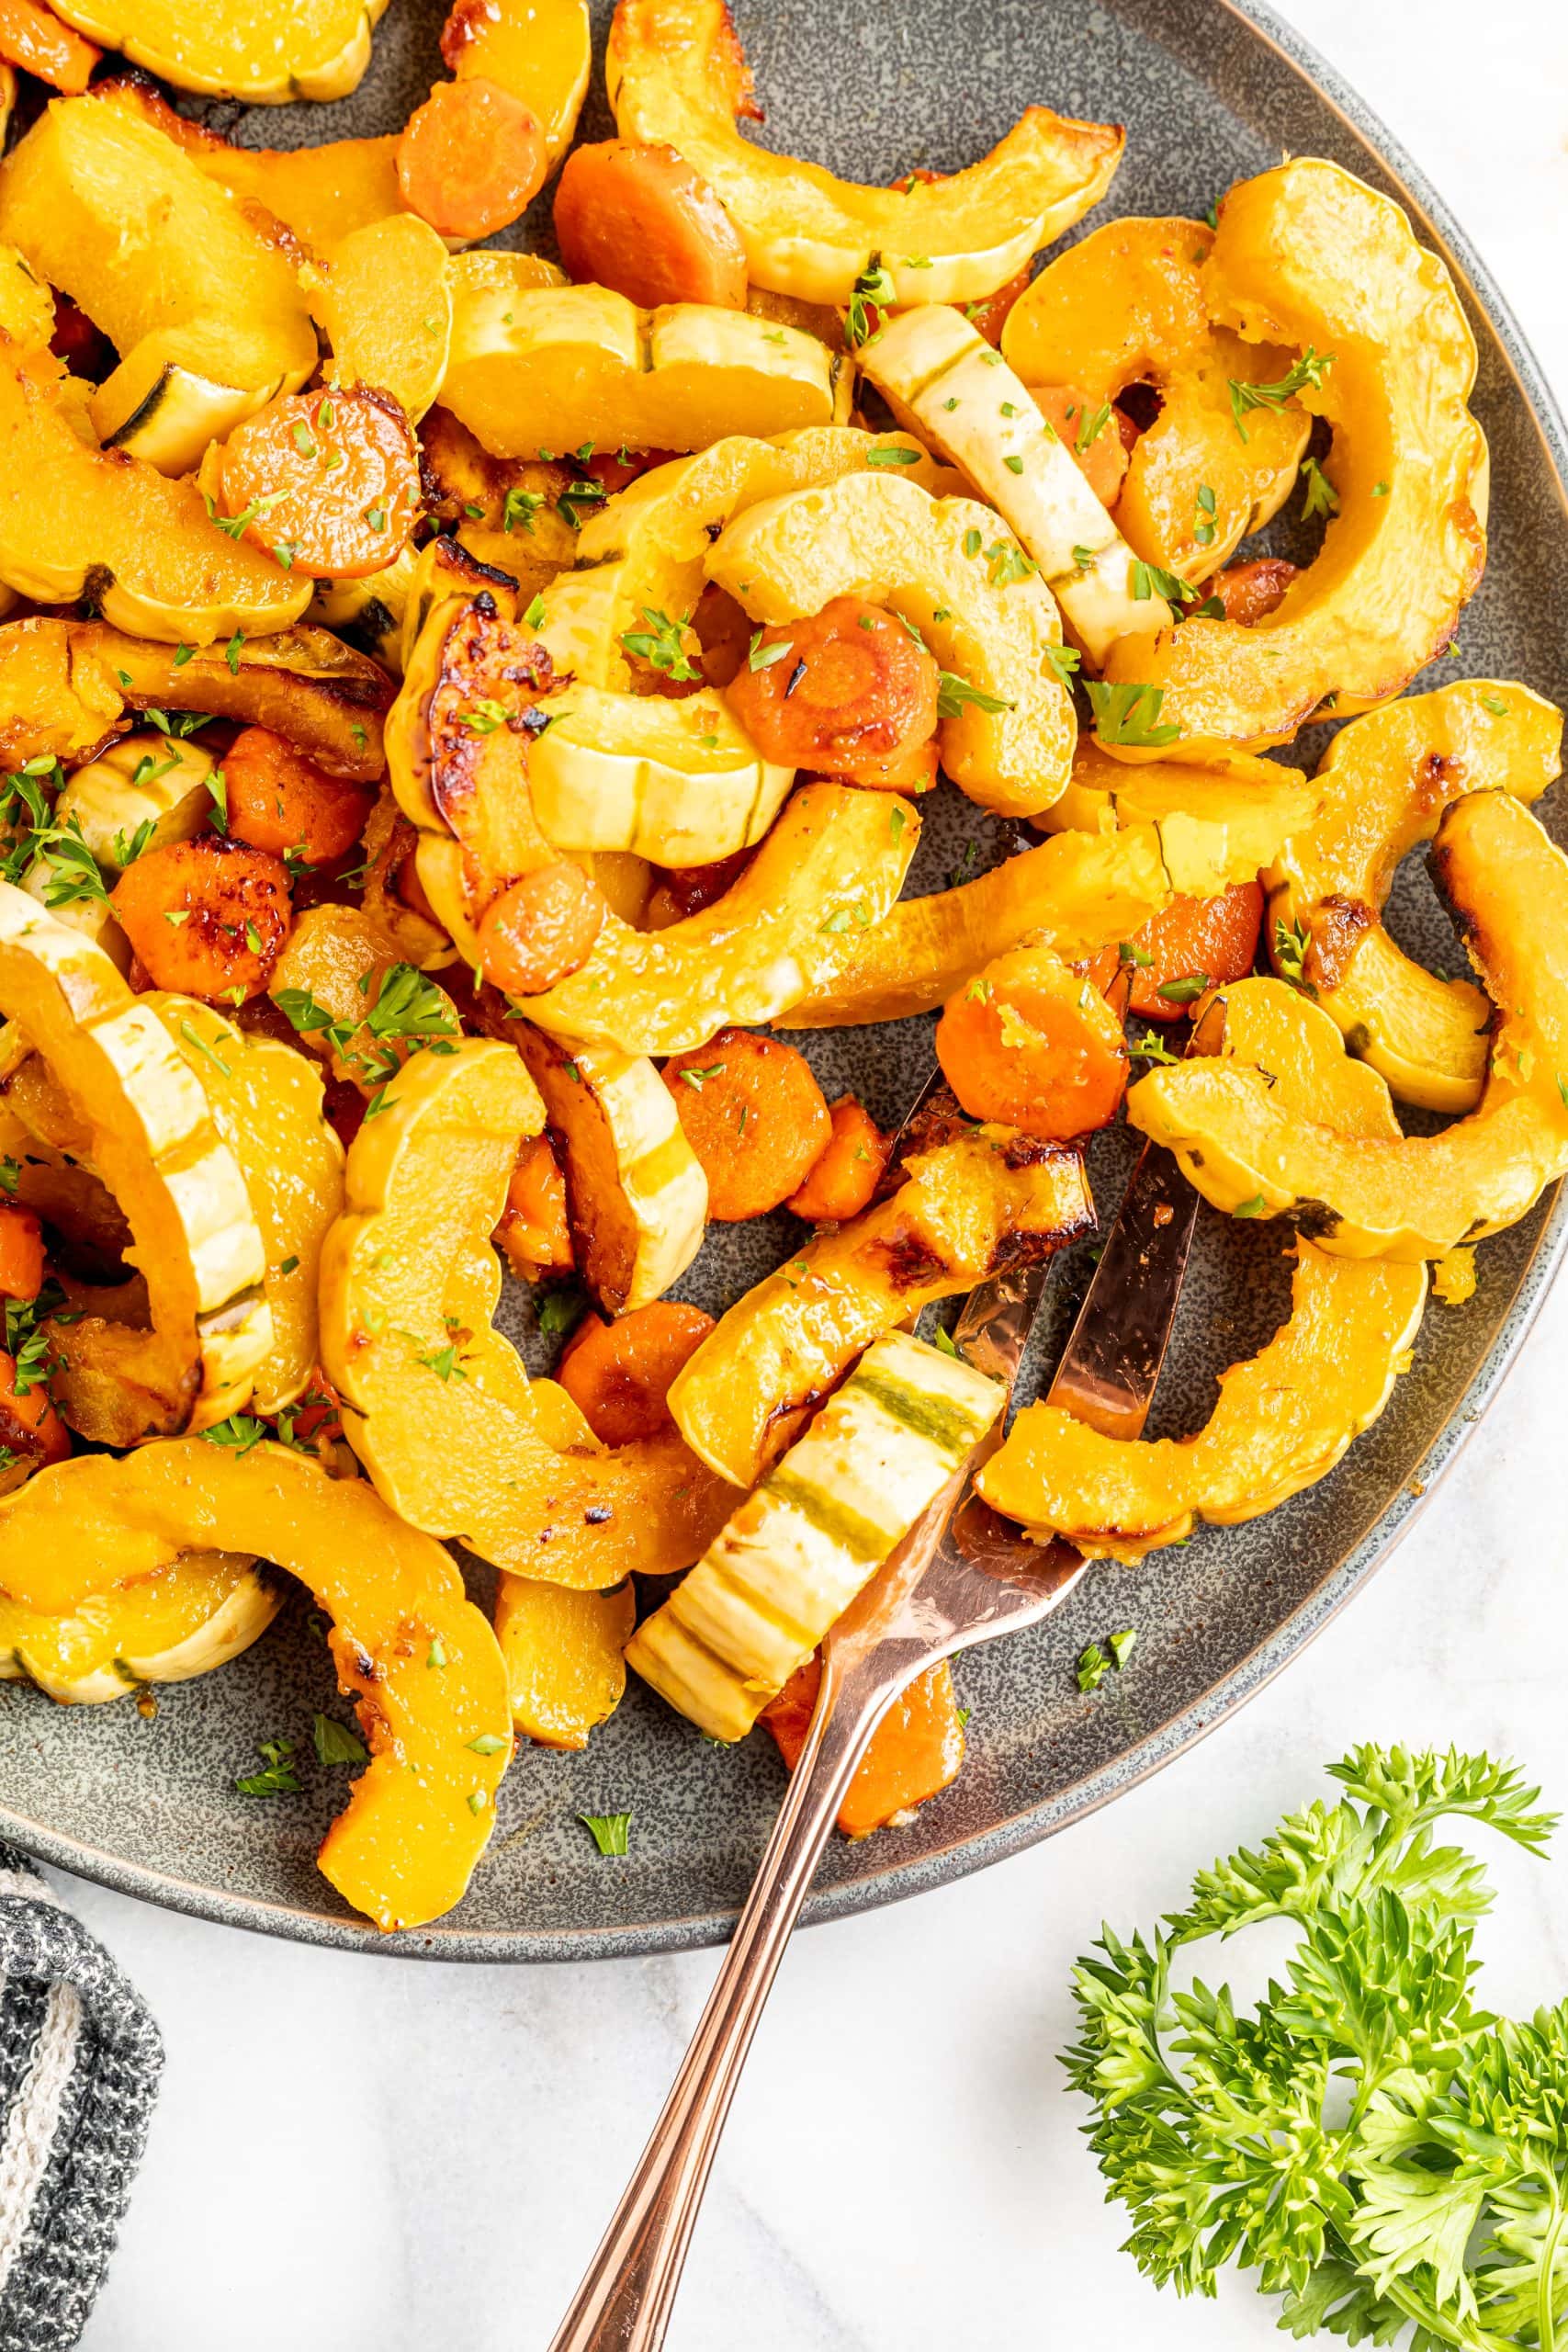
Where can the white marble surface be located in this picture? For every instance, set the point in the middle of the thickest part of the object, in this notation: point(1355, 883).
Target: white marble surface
point(356, 2154)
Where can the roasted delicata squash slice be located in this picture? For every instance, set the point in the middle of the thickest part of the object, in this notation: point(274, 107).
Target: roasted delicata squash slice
point(565, 1657)
point(789, 1562)
point(1249, 1151)
point(266, 1100)
point(1216, 825)
point(677, 77)
point(186, 1619)
point(1384, 784)
point(939, 563)
point(681, 783)
point(1283, 1419)
point(369, 613)
point(984, 1199)
point(78, 522)
point(384, 302)
point(161, 782)
point(571, 366)
point(437, 1405)
point(270, 52)
point(418, 1659)
point(1310, 258)
point(831, 866)
point(207, 315)
point(943, 379)
point(540, 55)
point(637, 1197)
point(26, 306)
point(154, 1143)
point(1129, 305)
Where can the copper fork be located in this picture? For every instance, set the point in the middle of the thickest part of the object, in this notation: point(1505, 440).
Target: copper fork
point(961, 1576)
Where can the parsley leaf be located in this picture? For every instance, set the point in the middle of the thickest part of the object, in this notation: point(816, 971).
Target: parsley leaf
point(609, 1831)
point(278, 1779)
point(335, 1743)
point(1119, 716)
point(954, 694)
point(1307, 372)
point(662, 645)
point(1322, 498)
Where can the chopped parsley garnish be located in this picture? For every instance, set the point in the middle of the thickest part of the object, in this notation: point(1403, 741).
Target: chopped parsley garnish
point(873, 290)
point(278, 1779)
point(1152, 580)
point(1090, 426)
point(335, 1743)
point(1183, 991)
point(889, 453)
point(662, 645)
point(1322, 498)
point(762, 657)
point(609, 1831)
point(1307, 372)
point(1127, 713)
point(1291, 941)
point(519, 507)
point(239, 1433)
point(955, 693)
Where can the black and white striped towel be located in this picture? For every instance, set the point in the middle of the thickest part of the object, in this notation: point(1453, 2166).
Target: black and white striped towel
point(79, 2059)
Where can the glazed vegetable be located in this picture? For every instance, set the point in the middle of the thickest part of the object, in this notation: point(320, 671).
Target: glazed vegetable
point(207, 917)
point(641, 221)
point(21, 1253)
point(384, 302)
point(33, 37)
point(793, 1557)
point(327, 480)
point(541, 55)
point(676, 74)
point(843, 1176)
point(1184, 949)
point(914, 1753)
point(534, 1235)
point(1030, 1044)
point(681, 783)
point(619, 1374)
point(565, 1657)
point(270, 52)
point(31, 1431)
point(471, 159)
point(185, 1620)
point(278, 800)
point(753, 1112)
point(849, 692)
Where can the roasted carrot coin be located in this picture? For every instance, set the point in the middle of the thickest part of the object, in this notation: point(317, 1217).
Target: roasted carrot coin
point(279, 800)
point(471, 159)
point(534, 1233)
point(1249, 592)
point(328, 479)
point(1186, 947)
point(755, 1117)
point(849, 693)
point(1090, 433)
point(619, 1374)
point(539, 929)
point(1033, 1046)
point(841, 1182)
point(33, 37)
point(207, 917)
point(21, 1254)
point(641, 221)
point(30, 1426)
point(915, 1750)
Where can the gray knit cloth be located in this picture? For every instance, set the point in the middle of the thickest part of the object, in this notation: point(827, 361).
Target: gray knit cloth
point(79, 2059)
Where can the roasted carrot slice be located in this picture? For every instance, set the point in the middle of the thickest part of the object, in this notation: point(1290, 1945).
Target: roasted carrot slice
point(755, 1117)
point(21, 1253)
point(641, 221)
point(849, 693)
point(1249, 592)
point(30, 1426)
point(540, 928)
point(1188, 945)
point(327, 480)
point(33, 37)
point(840, 1182)
point(471, 159)
point(1033, 1046)
point(535, 1234)
point(207, 917)
point(1090, 433)
point(619, 1374)
point(279, 800)
point(915, 1751)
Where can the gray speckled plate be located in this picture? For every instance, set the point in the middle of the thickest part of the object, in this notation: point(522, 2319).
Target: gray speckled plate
point(1208, 93)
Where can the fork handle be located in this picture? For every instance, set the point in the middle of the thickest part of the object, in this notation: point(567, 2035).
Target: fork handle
point(629, 2291)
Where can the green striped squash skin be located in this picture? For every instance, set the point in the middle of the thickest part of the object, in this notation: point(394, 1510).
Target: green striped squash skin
point(794, 1555)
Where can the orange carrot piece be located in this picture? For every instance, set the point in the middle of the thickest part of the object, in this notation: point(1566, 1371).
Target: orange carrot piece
point(840, 1182)
point(33, 37)
point(754, 1115)
point(849, 693)
point(540, 928)
point(319, 1414)
point(327, 480)
point(1189, 945)
point(915, 1751)
point(207, 917)
point(280, 801)
point(1249, 592)
point(1033, 1046)
point(641, 221)
point(471, 159)
point(21, 1253)
point(29, 1424)
point(1090, 434)
point(535, 1234)
point(619, 1374)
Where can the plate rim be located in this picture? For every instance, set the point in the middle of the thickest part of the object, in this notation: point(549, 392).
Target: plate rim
point(1179, 1731)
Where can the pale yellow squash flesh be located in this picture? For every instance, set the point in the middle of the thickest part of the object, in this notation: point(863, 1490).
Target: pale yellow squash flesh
point(680, 783)
point(185, 1620)
point(565, 1657)
point(539, 50)
point(384, 303)
point(270, 52)
point(1216, 825)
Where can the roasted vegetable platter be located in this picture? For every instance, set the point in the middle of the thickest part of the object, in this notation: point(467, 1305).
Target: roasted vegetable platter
point(166, 1034)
